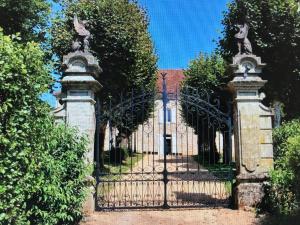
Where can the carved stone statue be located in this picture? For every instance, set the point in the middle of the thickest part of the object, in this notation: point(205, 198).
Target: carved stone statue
point(243, 42)
point(83, 35)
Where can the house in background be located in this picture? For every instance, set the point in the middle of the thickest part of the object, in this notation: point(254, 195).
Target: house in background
point(180, 138)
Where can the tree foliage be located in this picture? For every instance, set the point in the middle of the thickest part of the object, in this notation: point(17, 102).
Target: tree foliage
point(206, 72)
point(28, 17)
point(42, 170)
point(122, 44)
point(205, 76)
point(209, 76)
point(275, 36)
point(120, 41)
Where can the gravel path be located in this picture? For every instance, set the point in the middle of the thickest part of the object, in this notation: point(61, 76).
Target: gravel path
point(174, 217)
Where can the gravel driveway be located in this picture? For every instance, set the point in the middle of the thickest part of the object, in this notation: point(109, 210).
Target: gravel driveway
point(174, 217)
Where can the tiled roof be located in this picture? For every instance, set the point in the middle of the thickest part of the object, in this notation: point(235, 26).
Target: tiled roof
point(174, 78)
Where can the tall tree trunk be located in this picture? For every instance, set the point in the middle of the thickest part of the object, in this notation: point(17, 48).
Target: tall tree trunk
point(226, 149)
point(123, 140)
point(214, 158)
point(101, 146)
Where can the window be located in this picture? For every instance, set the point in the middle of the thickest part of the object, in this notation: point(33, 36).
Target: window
point(169, 115)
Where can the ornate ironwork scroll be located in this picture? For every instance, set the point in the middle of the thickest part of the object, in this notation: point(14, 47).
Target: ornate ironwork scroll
point(164, 149)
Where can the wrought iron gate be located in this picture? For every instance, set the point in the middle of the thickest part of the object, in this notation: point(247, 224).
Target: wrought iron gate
point(164, 149)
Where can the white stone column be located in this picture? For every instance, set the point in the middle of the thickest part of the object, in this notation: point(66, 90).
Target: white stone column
point(79, 86)
point(252, 131)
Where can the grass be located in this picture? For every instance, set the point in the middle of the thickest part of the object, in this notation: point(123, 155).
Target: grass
point(219, 170)
point(114, 170)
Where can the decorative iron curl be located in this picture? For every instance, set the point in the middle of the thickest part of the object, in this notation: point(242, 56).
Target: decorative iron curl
point(204, 105)
point(148, 127)
point(127, 108)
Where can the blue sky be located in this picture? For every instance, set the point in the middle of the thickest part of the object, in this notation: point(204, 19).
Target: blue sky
point(180, 30)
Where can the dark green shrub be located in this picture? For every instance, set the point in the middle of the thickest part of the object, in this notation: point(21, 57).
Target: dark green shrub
point(42, 169)
point(208, 157)
point(117, 155)
point(293, 163)
point(281, 135)
point(283, 191)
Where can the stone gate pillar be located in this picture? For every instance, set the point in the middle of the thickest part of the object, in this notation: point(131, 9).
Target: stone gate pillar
point(79, 86)
point(252, 130)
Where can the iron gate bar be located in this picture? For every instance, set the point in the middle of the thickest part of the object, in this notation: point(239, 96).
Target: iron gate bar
point(97, 146)
point(119, 189)
point(165, 172)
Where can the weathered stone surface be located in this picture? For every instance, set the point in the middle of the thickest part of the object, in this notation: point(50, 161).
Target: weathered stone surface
point(249, 141)
point(239, 62)
point(248, 195)
point(252, 129)
point(249, 190)
point(89, 204)
point(266, 164)
point(265, 123)
point(251, 177)
point(266, 150)
point(81, 62)
point(265, 136)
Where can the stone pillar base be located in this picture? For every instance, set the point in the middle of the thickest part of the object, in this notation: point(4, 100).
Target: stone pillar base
point(89, 204)
point(249, 190)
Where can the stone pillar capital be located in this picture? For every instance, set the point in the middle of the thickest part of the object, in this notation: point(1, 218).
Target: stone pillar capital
point(81, 71)
point(247, 70)
point(241, 62)
point(81, 62)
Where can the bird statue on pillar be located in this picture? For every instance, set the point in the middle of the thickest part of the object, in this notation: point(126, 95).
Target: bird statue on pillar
point(81, 42)
point(244, 45)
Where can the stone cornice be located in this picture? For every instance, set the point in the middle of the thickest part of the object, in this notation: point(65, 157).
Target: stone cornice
point(255, 177)
point(81, 62)
point(79, 100)
point(82, 84)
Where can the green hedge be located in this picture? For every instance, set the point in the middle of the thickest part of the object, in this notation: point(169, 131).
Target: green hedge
point(281, 135)
point(283, 192)
point(42, 169)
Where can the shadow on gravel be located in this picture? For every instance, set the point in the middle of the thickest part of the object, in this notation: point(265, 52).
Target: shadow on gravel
point(281, 220)
point(196, 198)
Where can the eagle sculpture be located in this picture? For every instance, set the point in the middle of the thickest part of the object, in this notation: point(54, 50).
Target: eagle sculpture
point(83, 35)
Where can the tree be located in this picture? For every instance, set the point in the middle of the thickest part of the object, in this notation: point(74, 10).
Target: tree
point(206, 76)
point(42, 168)
point(122, 44)
point(28, 17)
point(206, 72)
point(275, 36)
